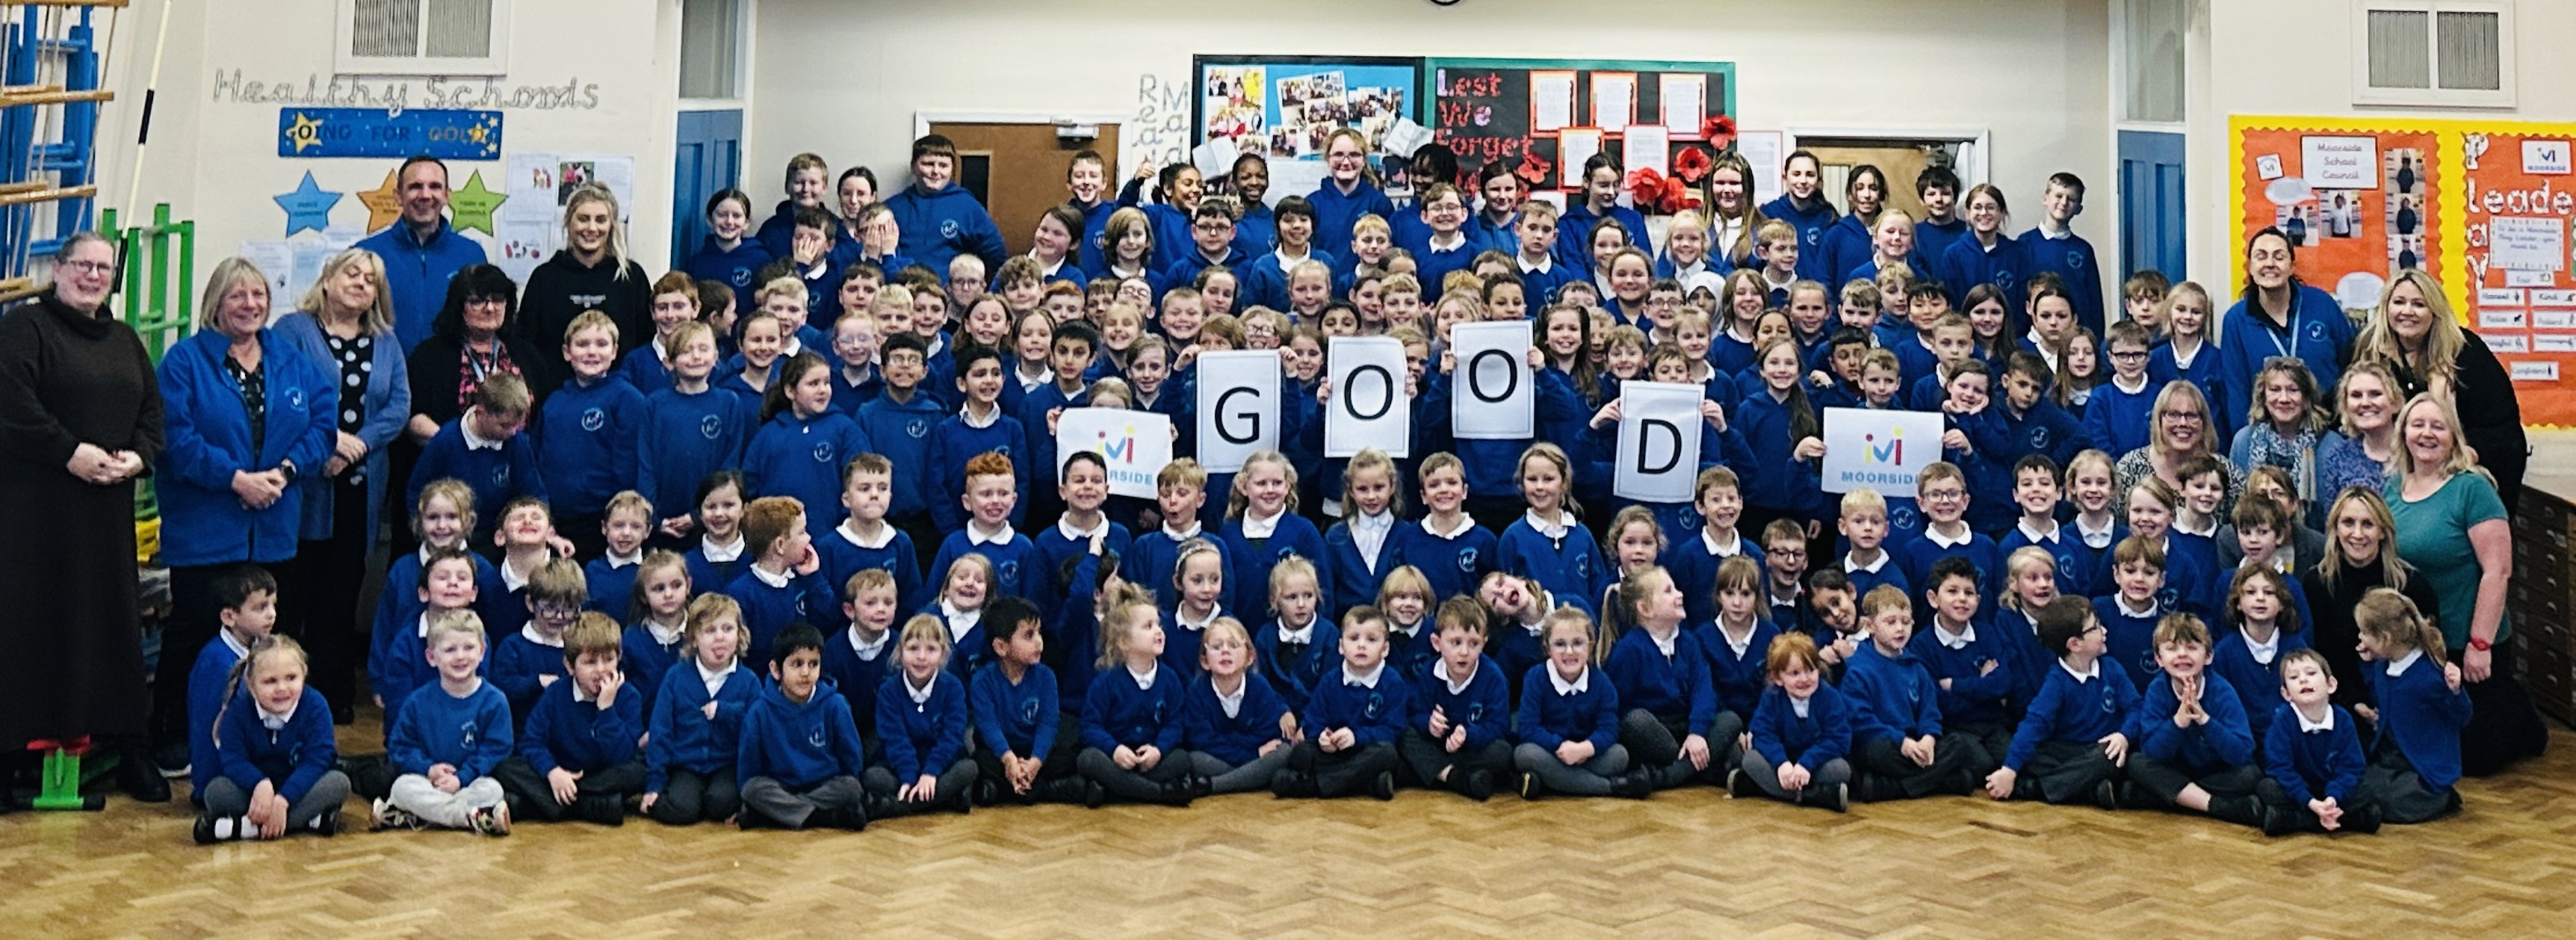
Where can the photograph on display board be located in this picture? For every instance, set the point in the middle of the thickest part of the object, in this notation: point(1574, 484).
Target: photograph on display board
point(1552, 115)
point(1285, 107)
point(2356, 203)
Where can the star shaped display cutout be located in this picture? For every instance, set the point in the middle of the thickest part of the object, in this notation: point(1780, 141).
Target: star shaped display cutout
point(472, 205)
point(308, 207)
point(306, 132)
point(384, 203)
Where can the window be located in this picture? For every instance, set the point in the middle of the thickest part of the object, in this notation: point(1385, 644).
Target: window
point(711, 34)
point(422, 37)
point(2451, 53)
point(2152, 66)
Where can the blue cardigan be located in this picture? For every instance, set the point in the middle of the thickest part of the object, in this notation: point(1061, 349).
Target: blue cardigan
point(1549, 718)
point(387, 403)
point(209, 439)
point(682, 736)
point(923, 738)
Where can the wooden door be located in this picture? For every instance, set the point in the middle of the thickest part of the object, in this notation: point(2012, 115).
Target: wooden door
point(1018, 170)
point(1902, 163)
point(709, 159)
point(2152, 207)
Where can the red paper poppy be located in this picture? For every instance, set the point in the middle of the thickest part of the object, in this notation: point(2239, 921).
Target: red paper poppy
point(1693, 165)
point(1645, 185)
point(1535, 168)
point(1719, 129)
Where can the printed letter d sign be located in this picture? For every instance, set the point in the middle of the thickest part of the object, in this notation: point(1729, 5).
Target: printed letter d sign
point(1490, 387)
point(1659, 429)
point(1238, 406)
point(1369, 407)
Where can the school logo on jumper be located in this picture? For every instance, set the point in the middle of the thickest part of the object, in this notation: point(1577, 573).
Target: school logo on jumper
point(1158, 711)
point(2039, 438)
point(471, 731)
point(1901, 518)
point(1467, 561)
point(1008, 572)
point(1583, 566)
point(1815, 236)
point(1475, 712)
point(501, 475)
point(816, 738)
point(294, 399)
point(742, 277)
point(1376, 705)
point(823, 452)
point(2005, 279)
point(1028, 709)
point(916, 428)
point(2074, 260)
point(2317, 330)
point(710, 426)
point(593, 419)
point(948, 228)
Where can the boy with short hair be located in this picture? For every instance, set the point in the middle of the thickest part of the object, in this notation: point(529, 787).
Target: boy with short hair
point(2035, 493)
point(865, 540)
point(979, 427)
point(246, 597)
point(1942, 491)
point(990, 500)
point(898, 425)
point(1693, 560)
point(1775, 244)
point(2194, 747)
point(1928, 360)
point(1784, 571)
point(1536, 262)
point(1027, 742)
point(1180, 490)
point(858, 659)
point(579, 755)
point(2032, 423)
point(1083, 489)
point(483, 448)
point(1864, 524)
point(1899, 749)
point(2054, 248)
point(2070, 742)
point(1071, 348)
point(528, 661)
point(1401, 297)
point(675, 301)
point(799, 761)
point(2117, 414)
point(1212, 238)
point(2314, 778)
point(446, 737)
point(445, 581)
point(940, 220)
point(1973, 668)
point(1831, 619)
point(2133, 610)
point(1447, 246)
point(1354, 719)
point(611, 576)
point(526, 542)
point(1938, 189)
point(2143, 296)
point(783, 584)
point(1457, 737)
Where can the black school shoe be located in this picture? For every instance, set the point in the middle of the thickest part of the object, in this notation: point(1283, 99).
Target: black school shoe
point(1530, 788)
point(606, 809)
point(1478, 785)
point(1384, 786)
point(1633, 785)
point(140, 777)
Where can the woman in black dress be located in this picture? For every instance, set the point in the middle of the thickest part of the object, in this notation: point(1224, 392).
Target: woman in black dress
point(80, 419)
point(2415, 336)
point(2361, 553)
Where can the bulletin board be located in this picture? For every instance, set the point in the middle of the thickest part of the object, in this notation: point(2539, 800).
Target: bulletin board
point(2493, 225)
point(1554, 114)
point(1283, 107)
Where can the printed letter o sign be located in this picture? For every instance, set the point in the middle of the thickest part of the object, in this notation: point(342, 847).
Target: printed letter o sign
point(1496, 397)
point(1367, 393)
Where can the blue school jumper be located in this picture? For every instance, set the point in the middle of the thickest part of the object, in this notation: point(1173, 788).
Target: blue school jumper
point(1290, 535)
point(1974, 696)
point(586, 437)
point(1017, 717)
point(206, 690)
point(1234, 738)
point(1965, 263)
point(941, 224)
point(1057, 547)
point(1899, 699)
point(2069, 556)
point(901, 431)
point(707, 574)
point(2196, 581)
point(2131, 642)
point(2118, 419)
point(1932, 240)
point(768, 607)
point(777, 233)
point(1787, 485)
point(396, 657)
point(1811, 224)
point(1354, 574)
point(2317, 333)
point(577, 735)
point(1094, 235)
point(1374, 713)
point(846, 397)
point(1848, 244)
point(798, 744)
point(1293, 669)
point(2080, 710)
point(1336, 212)
point(1548, 718)
point(682, 736)
point(520, 664)
point(2164, 366)
point(1483, 706)
point(2223, 742)
point(2420, 716)
point(1262, 280)
point(921, 737)
point(802, 457)
point(644, 658)
point(736, 266)
point(292, 757)
point(1540, 287)
point(1568, 565)
point(1257, 229)
point(1574, 232)
point(210, 439)
point(612, 583)
point(1117, 711)
point(1736, 679)
point(953, 442)
point(685, 437)
point(968, 649)
point(860, 669)
point(1915, 559)
point(1823, 734)
point(1411, 651)
point(1888, 571)
point(469, 732)
point(844, 555)
point(1667, 685)
point(1692, 561)
point(2044, 429)
point(2257, 682)
point(1183, 270)
point(1456, 562)
point(2029, 663)
point(1016, 567)
point(1432, 264)
point(1031, 408)
point(2326, 763)
point(2070, 257)
point(1503, 236)
point(1153, 557)
point(2093, 563)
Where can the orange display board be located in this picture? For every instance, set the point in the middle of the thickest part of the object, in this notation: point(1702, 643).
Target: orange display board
point(2360, 204)
point(2518, 207)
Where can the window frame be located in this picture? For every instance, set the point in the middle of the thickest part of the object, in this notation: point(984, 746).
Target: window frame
point(2502, 96)
point(347, 62)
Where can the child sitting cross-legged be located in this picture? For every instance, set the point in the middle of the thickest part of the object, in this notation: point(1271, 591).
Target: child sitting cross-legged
point(2070, 740)
point(799, 761)
point(275, 752)
point(1458, 736)
point(921, 724)
point(2194, 748)
point(2313, 758)
point(1352, 720)
point(1898, 742)
point(1238, 728)
point(447, 736)
point(1801, 732)
point(1569, 720)
point(579, 756)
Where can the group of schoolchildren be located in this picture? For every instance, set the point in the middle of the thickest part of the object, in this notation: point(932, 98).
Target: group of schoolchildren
point(1294, 625)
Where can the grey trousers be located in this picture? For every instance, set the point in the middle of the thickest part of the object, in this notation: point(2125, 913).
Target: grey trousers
point(775, 802)
point(1656, 744)
point(2404, 797)
point(1229, 778)
point(1591, 778)
point(226, 799)
point(1820, 781)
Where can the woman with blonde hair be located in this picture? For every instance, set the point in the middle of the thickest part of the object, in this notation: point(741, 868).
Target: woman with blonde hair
point(2414, 334)
point(590, 272)
point(2179, 429)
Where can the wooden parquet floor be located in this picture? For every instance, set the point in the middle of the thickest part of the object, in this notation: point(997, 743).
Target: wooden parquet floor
point(1428, 864)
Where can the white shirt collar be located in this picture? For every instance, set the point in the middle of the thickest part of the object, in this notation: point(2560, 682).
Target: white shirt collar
point(2037, 536)
point(239, 649)
point(1457, 684)
point(1378, 524)
point(1552, 528)
point(868, 649)
point(720, 554)
point(884, 536)
point(715, 679)
point(1289, 262)
point(2306, 726)
point(1256, 527)
point(2123, 601)
point(474, 441)
point(1030, 383)
point(530, 634)
point(1731, 547)
point(1850, 566)
point(2123, 384)
point(616, 561)
point(1181, 535)
point(1232, 702)
point(1581, 683)
point(967, 415)
point(1967, 634)
point(1200, 624)
point(1304, 634)
point(2208, 528)
point(1734, 645)
point(511, 579)
point(1663, 644)
point(2096, 538)
point(1144, 680)
point(276, 720)
point(960, 622)
point(2089, 674)
point(1801, 705)
point(1933, 532)
point(1456, 240)
point(1543, 266)
point(424, 624)
point(2397, 667)
point(1464, 523)
point(1369, 680)
point(776, 579)
point(661, 634)
point(920, 696)
point(2262, 651)
point(975, 536)
point(1064, 527)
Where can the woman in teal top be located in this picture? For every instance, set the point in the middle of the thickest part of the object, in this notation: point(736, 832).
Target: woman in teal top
point(2452, 528)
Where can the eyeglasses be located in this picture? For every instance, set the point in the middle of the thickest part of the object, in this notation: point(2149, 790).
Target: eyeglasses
point(87, 267)
point(2128, 354)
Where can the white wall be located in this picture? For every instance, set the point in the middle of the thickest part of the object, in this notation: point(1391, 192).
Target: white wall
point(844, 80)
point(214, 154)
point(2295, 57)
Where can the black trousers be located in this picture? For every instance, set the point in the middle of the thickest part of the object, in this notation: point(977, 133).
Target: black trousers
point(2360, 811)
point(690, 797)
point(1655, 745)
point(1428, 759)
point(2064, 772)
point(1056, 764)
point(195, 615)
point(2166, 781)
point(324, 616)
point(2503, 728)
point(1889, 774)
point(531, 797)
point(2403, 795)
point(1343, 772)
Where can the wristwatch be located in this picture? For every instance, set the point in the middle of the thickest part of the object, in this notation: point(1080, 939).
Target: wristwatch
point(2480, 644)
point(287, 467)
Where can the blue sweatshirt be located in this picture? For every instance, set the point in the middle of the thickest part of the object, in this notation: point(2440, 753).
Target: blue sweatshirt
point(736, 267)
point(2117, 419)
point(901, 431)
point(1548, 718)
point(1692, 564)
point(923, 737)
point(2322, 764)
point(2070, 257)
point(495, 476)
point(1848, 245)
point(843, 557)
point(1899, 698)
point(1570, 567)
point(1786, 483)
point(767, 608)
point(1293, 670)
point(470, 732)
point(1117, 711)
point(941, 224)
point(1016, 568)
point(1932, 240)
point(1154, 555)
point(802, 457)
point(1784, 737)
point(206, 691)
point(519, 664)
point(293, 756)
point(2421, 716)
point(1736, 680)
point(1234, 738)
point(2317, 333)
point(1454, 564)
point(2207, 372)
point(2072, 709)
point(209, 439)
point(1963, 264)
point(1262, 281)
point(684, 438)
point(1666, 686)
point(952, 443)
point(1811, 224)
point(586, 437)
point(417, 271)
point(683, 737)
point(1483, 705)
point(576, 735)
point(1254, 557)
point(1017, 717)
point(2132, 641)
point(1975, 696)
point(798, 744)
point(1336, 212)
point(2257, 684)
point(2224, 742)
point(860, 671)
point(1374, 714)
point(1574, 232)
point(644, 659)
point(1915, 558)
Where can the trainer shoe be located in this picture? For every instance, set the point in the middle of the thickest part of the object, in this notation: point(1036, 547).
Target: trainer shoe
point(389, 816)
point(491, 820)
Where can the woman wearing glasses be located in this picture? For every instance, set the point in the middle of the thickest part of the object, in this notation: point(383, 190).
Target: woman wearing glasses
point(2178, 430)
point(475, 336)
point(80, 418)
